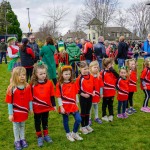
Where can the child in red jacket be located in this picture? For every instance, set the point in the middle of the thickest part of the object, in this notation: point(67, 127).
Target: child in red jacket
point(43, 101)
point(131, 65)
point(145, 85)
point(66, 92)
point(19, 99)
point(98, 87)
point(123, 91)
point(85, 83)
point(109, 76)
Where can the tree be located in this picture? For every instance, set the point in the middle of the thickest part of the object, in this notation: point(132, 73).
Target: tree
point(140, 18)
point(100, 9)
point(56, 14)
point(122, 19)
point(8, 20)
point(44, 30)
point(77, 23)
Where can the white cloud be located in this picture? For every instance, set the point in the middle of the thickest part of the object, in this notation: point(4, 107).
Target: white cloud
point(38, 10)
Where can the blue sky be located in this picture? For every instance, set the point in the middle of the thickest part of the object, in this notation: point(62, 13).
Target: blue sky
point(38, 11)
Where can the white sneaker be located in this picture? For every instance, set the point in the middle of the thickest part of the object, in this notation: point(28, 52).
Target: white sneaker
point(110, 118)
point(89, 129)
point(105, 118)
point(69, 137)
point(84, 130)
point(76, 136)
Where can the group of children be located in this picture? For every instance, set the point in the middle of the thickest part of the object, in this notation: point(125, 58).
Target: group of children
point(91, 85)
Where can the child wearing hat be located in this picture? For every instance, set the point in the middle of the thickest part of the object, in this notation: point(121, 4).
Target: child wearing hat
point(13, 53)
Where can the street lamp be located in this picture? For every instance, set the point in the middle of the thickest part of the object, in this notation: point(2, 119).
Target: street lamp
point(29, 25)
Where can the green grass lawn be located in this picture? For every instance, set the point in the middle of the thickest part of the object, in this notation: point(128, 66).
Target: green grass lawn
point(132, 133)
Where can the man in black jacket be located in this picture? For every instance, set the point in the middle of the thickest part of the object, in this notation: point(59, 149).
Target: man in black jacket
point(122, 52)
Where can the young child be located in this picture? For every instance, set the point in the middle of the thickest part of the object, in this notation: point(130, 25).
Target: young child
point(98, 84)
point(131, 65)
point(66, 92)
point(109, 76)
point(85, 83)
point(19, 99)
point(145, 85)
point(43, 101)
point(123, 91)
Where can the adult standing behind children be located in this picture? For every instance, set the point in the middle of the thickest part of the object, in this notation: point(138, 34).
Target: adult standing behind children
point(146, 47)
point(100, 51)
point(87, 50)
point(3, 49)
point(47, 54)
point(34, 46)
point(122, 51)
point(13, 53)
point(27, 57)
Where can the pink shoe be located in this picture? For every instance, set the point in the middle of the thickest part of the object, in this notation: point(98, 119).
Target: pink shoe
point(119, 116)
point(125, 115)
point(145, 109)
point(148, 107)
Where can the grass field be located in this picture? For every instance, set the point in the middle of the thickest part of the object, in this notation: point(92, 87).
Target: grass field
point(132, 133)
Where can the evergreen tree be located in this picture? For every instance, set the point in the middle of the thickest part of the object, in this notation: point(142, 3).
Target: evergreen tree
point(8, 20)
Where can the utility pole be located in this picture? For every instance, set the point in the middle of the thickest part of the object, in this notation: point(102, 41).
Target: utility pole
point(29, 25)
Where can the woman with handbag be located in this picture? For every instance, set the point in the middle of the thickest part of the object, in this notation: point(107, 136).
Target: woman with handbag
point(47, 53)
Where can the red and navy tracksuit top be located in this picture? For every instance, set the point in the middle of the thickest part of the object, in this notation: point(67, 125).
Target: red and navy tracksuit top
point(145, 77)
point(42, 93)
point(123, 89)
point(67, 92)
point(20, 99)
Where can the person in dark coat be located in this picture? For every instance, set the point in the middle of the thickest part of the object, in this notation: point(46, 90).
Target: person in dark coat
point(100, 51)
point(122, 52)
point(34, 46)
point(27, 57)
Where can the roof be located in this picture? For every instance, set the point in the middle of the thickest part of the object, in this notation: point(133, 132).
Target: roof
point(78, 34)
point(117, 29)
point(94, 21)
point(110, 30)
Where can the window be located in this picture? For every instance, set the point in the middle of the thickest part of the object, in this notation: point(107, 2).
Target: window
point(114, 34)
point(118, 34)
point(93, 36)
point(127, 34)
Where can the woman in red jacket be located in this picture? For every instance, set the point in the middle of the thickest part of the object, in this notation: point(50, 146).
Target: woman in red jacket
point(123, 91)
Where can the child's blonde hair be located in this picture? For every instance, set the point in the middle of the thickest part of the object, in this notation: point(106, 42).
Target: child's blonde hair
point(83, 64)
point(127, 62)
point(17, 71)
point(147, 62)
point(38, 65)
point(94, 63)
point(107, 61)
point(65, 68)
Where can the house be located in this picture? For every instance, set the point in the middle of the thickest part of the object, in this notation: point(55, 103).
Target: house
point(78, 34)
point(110, 33)
point(95, 29)
point(113, 33)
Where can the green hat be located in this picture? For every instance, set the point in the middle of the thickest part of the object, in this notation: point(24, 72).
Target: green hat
point(11, 38)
